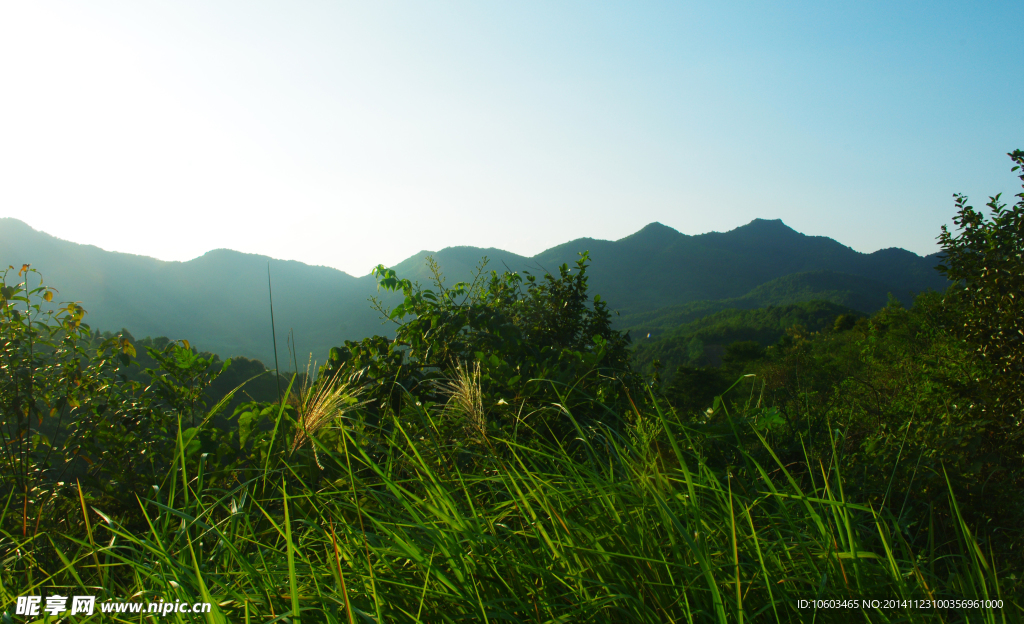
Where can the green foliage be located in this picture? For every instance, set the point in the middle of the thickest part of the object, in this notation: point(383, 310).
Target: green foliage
point(897, 396)
point(182, 376)
point(67, 411)
point(693, 389)
point(156, 363)
point(533, 338)
point(854, 292)
point(740, 353)
point(986, 260)
point(844, 322)
point(75, 408)
point(644, 528)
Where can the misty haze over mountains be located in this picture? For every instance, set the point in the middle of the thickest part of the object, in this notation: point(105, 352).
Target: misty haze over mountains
point(219, 301)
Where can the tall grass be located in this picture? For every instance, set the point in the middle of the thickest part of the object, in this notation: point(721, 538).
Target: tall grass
point(602, 528)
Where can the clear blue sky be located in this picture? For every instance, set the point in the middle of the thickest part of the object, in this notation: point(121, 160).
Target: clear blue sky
point(352, 134)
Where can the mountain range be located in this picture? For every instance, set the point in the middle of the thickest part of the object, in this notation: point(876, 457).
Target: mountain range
point(655, 278)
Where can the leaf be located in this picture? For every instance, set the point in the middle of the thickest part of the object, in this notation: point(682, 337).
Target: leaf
point(105, 517)
point(245, 427)
point(192, 435)
point(127, 348)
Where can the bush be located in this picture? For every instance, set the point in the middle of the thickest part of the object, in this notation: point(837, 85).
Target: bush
point(538, 343)
point(986, 260)
point(67, 410)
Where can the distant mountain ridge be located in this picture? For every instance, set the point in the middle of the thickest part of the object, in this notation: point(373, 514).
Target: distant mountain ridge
point(727, 265)
point(219, 301)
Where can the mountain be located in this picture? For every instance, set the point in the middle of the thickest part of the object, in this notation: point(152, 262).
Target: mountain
point(658, 266)
point(219, 301)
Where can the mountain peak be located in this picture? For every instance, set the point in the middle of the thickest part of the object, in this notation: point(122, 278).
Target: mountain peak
point(11, 222)
point(765, 227)
point(656, 226)
point(654, 233)
point(768, 224)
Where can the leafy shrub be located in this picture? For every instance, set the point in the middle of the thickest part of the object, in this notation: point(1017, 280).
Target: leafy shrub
point(539, 343)
point(894, 402)
point(81, 421)
point(986, 259)
point(68, 411)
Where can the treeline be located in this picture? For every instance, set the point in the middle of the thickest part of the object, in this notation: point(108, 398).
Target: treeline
point(704, 342)
point(862, 294)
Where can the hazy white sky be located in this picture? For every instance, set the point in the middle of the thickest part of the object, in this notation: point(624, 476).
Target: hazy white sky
point(352, 134)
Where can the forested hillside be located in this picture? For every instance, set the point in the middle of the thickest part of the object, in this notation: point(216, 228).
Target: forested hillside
point(845, 290)
point(703, 342)
point(221, 299)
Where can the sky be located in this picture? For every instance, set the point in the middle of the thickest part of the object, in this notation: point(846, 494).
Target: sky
point(351, 134)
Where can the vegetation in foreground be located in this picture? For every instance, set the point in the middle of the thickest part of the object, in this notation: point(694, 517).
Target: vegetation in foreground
point(500, 460)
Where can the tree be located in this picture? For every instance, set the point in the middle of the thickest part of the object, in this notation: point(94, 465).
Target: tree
point(985, 259)
point(520, 330)
point(695, 350)
point(66, 408)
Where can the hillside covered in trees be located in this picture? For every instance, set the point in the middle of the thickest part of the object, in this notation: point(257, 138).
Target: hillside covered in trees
point(703, 341)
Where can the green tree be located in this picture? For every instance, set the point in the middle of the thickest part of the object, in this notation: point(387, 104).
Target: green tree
point(73, 411)
point(695, 350)
point(182, 376)
point(985, 259)
point(67, 410)
point(535, 339)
